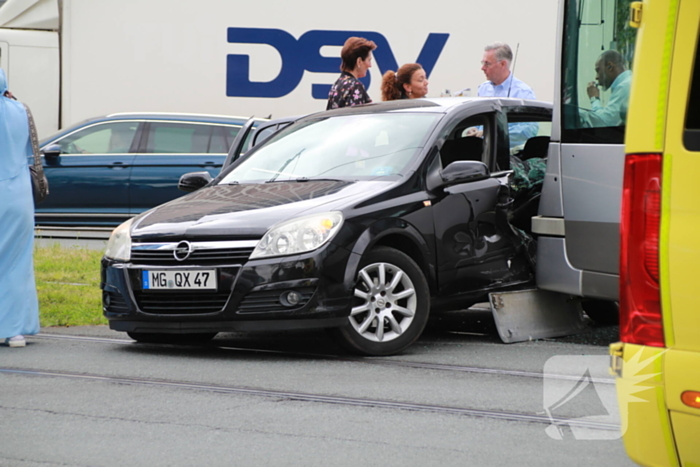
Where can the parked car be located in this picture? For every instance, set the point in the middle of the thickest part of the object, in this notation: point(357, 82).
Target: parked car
point(360, 220)
point(104, 170)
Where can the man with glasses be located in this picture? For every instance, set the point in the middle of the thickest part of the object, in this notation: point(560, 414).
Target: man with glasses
point(500, 82)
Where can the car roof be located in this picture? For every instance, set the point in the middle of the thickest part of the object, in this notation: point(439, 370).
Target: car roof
point(435, 105)
point(145, 116)
point(173, 116)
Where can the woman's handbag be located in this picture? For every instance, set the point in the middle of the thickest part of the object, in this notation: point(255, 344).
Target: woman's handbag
point(40, 185)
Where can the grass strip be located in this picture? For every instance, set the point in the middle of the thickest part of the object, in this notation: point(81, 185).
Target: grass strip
point(68, 284)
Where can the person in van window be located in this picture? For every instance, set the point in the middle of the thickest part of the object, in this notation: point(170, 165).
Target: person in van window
point(19, 307)
point(356, 56)
point(500, 82)
point(612, 74)
point(408, 82)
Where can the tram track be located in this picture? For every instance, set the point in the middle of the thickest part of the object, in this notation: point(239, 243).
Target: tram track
point(360, 360)
point(318, 398)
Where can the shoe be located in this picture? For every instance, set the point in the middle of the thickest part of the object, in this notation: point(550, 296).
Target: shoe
point(16, 341)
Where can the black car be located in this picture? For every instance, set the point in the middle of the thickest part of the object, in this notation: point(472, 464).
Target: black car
point(361, 220)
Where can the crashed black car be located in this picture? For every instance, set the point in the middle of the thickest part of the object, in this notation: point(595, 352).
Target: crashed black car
point(361, 220)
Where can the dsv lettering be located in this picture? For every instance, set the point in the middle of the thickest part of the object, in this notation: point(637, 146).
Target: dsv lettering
point(303, 54)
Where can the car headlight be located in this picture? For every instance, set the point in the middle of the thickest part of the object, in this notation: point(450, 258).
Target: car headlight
point(298, 235)
point(119, 244)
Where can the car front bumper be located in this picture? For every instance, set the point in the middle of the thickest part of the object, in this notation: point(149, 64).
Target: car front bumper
point(249, 296)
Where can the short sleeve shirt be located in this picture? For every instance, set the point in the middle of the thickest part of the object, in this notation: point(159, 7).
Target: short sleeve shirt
point(346, 92)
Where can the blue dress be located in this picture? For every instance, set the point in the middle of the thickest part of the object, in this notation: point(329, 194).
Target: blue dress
point(19, 308)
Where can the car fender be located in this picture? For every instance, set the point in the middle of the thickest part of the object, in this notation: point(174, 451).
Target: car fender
point(381, 230)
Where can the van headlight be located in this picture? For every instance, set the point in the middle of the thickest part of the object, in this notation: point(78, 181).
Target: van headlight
point(298, 235)
point(119, 244)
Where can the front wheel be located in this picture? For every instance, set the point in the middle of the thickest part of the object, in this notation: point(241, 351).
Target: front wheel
point(390, 307)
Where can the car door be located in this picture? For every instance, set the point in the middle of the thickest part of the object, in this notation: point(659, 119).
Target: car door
point(254, 132)
point(171, 149)
point(88, 172)
point(474, 245)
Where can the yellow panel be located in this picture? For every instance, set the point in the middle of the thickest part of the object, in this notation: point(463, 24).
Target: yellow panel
point(681, 373)
point(681, 211)
point(647, 110)
point(687, 429)
point(645, 424)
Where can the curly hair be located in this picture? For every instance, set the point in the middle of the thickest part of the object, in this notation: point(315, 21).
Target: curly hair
point(354, 48)
point(393, 81)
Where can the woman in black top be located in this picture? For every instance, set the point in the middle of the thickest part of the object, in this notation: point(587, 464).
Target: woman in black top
point(356, 58)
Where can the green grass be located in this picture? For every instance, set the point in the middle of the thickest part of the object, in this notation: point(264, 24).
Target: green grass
point(68, 284)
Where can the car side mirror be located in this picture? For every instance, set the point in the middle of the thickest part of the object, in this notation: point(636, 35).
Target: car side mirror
point(193, 181)
point(463, 172)
point(52, 151)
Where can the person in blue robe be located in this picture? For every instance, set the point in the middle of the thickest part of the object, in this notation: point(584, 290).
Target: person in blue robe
point(19, 307)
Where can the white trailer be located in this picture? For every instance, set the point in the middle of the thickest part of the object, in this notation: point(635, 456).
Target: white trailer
point(75, 59)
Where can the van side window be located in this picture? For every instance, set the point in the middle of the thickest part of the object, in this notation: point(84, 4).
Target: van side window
point(691, 133)
point(597, 54)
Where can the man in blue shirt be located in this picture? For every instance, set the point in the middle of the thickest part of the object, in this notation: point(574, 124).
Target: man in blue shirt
point(500, 82)
point(612, 74)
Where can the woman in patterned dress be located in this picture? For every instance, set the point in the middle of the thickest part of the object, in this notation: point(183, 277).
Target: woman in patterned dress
point(409, 82)
point(356, 57)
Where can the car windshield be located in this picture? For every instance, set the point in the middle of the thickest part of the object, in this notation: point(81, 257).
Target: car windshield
point(350, 146)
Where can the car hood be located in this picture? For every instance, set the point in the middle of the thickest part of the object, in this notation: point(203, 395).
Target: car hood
point(248, 210)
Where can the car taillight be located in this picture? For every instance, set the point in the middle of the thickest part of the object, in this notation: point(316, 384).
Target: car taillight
point(640, 297)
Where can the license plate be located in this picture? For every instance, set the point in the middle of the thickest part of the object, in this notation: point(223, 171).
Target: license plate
point(179, 280)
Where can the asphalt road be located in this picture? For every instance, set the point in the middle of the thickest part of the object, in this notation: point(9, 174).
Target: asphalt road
point(88, 396)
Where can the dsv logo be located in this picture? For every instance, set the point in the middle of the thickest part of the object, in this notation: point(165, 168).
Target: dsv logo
point(303, 54)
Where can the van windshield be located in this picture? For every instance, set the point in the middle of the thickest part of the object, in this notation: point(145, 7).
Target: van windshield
point(597, 55)
point(351, 146)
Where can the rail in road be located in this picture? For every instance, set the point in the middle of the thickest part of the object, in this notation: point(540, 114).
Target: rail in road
point(512, 416)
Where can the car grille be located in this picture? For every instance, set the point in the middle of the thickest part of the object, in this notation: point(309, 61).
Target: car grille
point(202, 253)
point(172, 303)
point(266, 301)
point(115, 303)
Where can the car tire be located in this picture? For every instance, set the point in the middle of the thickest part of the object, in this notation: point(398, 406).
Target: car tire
point(390, 286)
point(602, 312)
point(160, 338)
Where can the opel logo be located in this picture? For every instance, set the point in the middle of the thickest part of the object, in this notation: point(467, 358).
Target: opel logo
point(183, 250)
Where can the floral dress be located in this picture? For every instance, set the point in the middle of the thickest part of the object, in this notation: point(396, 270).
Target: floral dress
point(346, 92)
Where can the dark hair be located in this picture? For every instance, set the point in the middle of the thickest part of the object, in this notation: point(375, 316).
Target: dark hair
point(354, 48)
point(392, 82)
point(614, 57)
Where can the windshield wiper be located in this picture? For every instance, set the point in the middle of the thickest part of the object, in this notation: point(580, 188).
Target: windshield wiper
point(314, 179)
point(285, 165)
